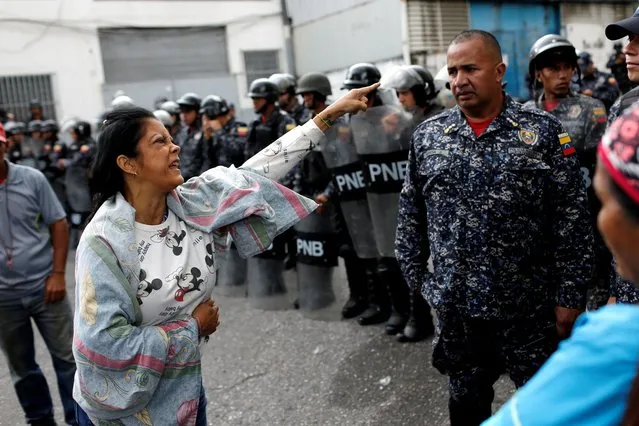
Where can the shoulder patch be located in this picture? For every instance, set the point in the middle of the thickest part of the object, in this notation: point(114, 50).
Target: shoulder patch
point(599, 115)
point(290, 127)
point(242, 131)
point(566, 144)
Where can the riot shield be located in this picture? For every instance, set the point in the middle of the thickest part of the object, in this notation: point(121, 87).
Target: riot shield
point(265, 278)
point(341, 157)
point(382, 140)
point(316, 260)
point(231, 280)
point(77, 188)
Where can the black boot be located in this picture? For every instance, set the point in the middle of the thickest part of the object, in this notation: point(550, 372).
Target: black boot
point(378, 310)
point(420, 323)
point(356, 276)
point(389, 272)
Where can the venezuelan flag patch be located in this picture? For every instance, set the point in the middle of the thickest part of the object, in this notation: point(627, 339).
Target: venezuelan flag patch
point(242, 131)
point(600, 115)
point(290, 127)
point(566, 144)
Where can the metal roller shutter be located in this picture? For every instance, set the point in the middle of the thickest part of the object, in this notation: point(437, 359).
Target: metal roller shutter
point(130, 55)
point(432, 24)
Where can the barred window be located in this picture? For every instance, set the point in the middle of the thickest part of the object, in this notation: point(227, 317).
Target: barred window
point(17, 91)
point(260, 64)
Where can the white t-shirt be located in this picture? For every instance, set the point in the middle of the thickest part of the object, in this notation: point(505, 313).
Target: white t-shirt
point(177, 269)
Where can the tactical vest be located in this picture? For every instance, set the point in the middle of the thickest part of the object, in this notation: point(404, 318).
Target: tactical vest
point(628, 99)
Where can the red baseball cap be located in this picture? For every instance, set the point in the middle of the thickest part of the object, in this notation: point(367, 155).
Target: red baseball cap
point(3, 134)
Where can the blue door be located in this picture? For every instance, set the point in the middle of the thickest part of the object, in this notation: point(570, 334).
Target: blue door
point(516, 27)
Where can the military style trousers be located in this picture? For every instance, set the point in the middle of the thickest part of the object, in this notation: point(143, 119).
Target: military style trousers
point(473, 353)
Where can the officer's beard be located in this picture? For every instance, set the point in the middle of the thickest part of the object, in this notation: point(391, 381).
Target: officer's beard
point(262, 109)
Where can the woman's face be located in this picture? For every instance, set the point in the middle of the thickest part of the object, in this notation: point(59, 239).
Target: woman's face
point(157, 163)
point(619, 231)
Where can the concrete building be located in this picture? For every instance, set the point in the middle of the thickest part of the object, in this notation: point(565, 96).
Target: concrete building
point(74, 54)
point(331, 35)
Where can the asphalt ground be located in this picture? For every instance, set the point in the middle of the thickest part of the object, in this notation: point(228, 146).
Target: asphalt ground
point(283, 368)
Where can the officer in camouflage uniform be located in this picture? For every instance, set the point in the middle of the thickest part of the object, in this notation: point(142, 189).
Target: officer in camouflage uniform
point(271, 124)
point(189, 137)
point(224, 137)
point(288, 98)
point(494, 194)
point(623, 291)
point(599, 85)
point(553, 62)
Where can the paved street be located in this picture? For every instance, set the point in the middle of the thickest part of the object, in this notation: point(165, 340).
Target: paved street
point(279, 368)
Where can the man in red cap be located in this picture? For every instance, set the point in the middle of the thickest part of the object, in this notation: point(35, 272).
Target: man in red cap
point(34, 239)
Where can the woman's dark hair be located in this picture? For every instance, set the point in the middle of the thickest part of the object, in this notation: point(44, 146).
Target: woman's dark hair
point(121, 132)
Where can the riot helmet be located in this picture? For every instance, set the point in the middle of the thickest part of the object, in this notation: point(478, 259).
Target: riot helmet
point(122, 101)
point(13, 128)
point(265, 89)
point(189, 101)
point(164, 118)
point(584, 60)
point(171, 107)
point(361, 75)
point(314, 82)
point(34, 126)
point(549, 49)
point(284, 82)
point(82, 129)
point(214, 106)
point(50, 126)
point(157, 103)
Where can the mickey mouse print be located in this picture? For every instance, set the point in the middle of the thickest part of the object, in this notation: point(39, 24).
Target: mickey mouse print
point(177, 269)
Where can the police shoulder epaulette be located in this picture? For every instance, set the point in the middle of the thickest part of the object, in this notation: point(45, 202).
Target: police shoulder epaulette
point(443, 114)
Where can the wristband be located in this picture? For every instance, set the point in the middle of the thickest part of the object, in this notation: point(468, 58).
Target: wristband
point(326, 121)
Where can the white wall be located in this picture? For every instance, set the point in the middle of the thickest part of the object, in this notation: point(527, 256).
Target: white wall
point(584, 25)
point(60, 37)
point(366, 32)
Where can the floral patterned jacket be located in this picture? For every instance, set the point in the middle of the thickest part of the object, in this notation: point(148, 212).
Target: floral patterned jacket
point(133, 375)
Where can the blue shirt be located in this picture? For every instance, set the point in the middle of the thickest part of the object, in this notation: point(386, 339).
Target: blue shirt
point(32, 207)
point(587, 382)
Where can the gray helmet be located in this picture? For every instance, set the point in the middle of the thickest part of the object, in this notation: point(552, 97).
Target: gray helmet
point(429, 82)
point(190, 101)
point(550, 44)
point(164, 117)
point(284, 82)
point(361, 75)
point(214, 106)
point(122, 101)
point(14, 128)
point(314, 82)
point(264, 88)
point(50, 126)
point(34, 126)
point(171, 107)
point(404, 79)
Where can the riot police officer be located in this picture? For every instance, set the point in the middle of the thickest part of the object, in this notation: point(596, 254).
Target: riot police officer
point(189, 138)
point(54, 150)
point(224, 137)
point(165, 118)
point(552, 63)
point(287, 99)
point(77, 168)
point(174, 110)
point(316, 182)
point(595, 83)
point(384, 271)
point(270, 124)
point(122, 101)
point(416, 91)
point(15, 137)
